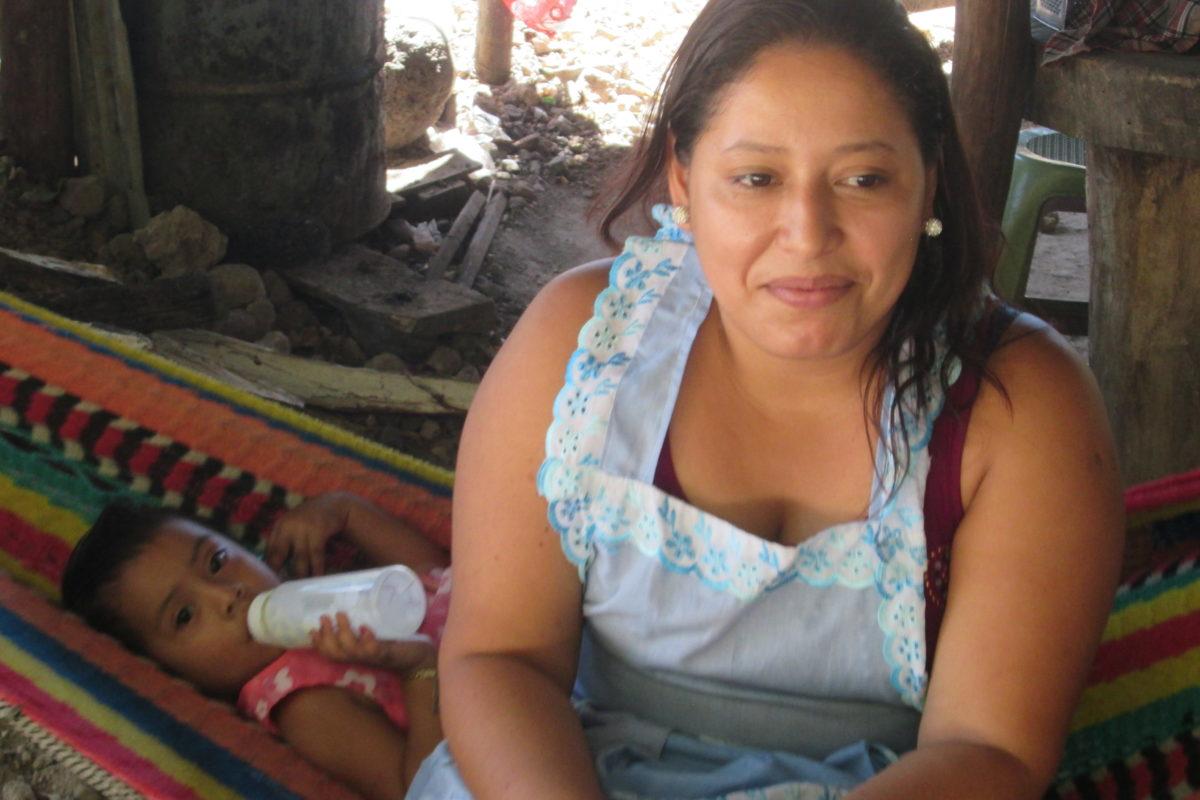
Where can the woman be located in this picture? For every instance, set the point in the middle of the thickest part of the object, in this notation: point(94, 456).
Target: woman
point(735, 469)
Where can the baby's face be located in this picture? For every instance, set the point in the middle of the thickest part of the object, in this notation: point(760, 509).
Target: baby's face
point(187, 594)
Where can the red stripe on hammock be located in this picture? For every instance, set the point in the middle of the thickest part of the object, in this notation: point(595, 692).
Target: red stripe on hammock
point(1141, 649)
point(37, 550)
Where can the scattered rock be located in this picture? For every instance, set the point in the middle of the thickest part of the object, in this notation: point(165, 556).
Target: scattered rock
point(236, 286)
point(386, 362)
point(297, 320)
point(241, 324)
point(263, 311)
point(430, 429)
point(83, 197)
point(180, 241)
point(127, 258)
point(276, 341)
point(445, 360)
point(278, 292)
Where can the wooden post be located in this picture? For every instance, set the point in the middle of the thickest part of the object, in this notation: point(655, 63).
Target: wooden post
point(493, 42)
point(993, 71)
point(1145, 300)
point(1138, 114)
point(35, 85)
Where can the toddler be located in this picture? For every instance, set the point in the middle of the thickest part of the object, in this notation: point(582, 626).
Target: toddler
point(169, 587)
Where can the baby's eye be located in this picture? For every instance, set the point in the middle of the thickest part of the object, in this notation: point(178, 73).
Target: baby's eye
point(183, 616)
point(754, 180)
point(867, 181)
point(217, 560)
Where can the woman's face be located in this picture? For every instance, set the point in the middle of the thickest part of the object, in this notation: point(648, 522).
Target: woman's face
point(806, 193)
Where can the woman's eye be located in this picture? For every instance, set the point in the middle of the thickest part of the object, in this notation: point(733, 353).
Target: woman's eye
point(865, 181)
point(217, 560)
point(754, 180)
point(183, 616)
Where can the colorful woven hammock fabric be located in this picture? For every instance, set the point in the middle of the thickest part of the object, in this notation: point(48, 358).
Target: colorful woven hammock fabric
point(85, 419)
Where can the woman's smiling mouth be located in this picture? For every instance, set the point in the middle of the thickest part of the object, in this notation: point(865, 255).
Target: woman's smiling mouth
point(810, 293)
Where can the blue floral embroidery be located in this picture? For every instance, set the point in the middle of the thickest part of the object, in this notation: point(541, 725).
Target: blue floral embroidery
point(886, 553)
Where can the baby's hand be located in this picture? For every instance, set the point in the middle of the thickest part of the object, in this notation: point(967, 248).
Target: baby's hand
point(300, 535)
point(337, 639)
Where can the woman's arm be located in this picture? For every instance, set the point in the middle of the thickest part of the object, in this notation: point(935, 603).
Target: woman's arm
point(509, 656)
point(302, 533)
point(1033, 571)
point(351, 740)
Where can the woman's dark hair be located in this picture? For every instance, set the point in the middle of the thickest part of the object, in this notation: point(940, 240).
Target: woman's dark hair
point(117, 537)
point(948, 279)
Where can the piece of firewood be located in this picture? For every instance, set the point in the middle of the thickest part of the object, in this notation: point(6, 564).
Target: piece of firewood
point(455, 238)
point(482, 240)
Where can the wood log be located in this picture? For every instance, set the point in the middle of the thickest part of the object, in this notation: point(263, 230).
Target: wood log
point(183, 302)
point(482, 240)
point(993, 70)
point(413, 177)
point(1145, 347)
point(35, 85)
point(317, 383)
point(493, 42)
point(455, 238)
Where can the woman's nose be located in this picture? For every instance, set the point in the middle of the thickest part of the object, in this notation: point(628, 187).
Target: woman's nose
point(808, 222)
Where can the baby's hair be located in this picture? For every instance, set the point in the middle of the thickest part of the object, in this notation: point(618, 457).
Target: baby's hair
point(119, 535)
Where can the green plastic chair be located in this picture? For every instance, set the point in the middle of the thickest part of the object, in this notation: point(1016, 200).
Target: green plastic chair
point(1048, 173)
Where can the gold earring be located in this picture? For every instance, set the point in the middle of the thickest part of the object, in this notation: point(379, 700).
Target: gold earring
point(679, 215)
point(933, 227)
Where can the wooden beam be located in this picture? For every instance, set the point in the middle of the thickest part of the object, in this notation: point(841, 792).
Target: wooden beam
point(35, 85)
point(317, 383)
point(1145, 102)
point(493, 42)
point(993, 70)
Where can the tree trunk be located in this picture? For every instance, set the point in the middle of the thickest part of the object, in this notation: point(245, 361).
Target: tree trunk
point(493, 42)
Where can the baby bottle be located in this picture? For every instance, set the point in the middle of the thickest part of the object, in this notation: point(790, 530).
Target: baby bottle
point(388, 600)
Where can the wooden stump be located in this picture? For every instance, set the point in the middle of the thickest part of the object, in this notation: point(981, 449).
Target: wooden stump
point(35, 85)
point(1143, 213)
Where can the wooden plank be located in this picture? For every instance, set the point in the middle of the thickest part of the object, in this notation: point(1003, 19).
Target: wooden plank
point(414, 177)
point(1146, 102)
point(184, 301)
point(316, 383)
point(493, 42)
point(455, 238)
point(37, 277)
point(35, 86)
point(386, 304)
point(105, 101)
point(482, 240)
point(993, 69)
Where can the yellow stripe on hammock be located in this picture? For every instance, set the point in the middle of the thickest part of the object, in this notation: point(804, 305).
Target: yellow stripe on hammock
point(33, 508)
point(1137, 690)
point(113, 722)
point(1146, 614)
